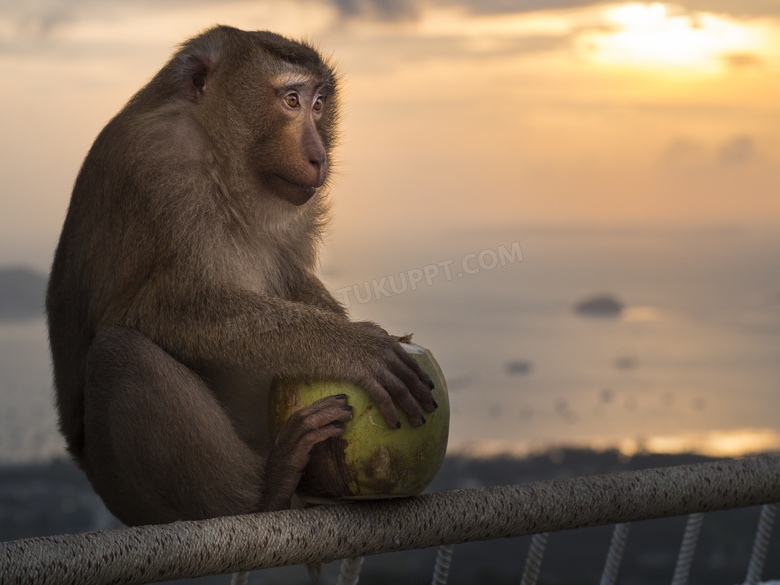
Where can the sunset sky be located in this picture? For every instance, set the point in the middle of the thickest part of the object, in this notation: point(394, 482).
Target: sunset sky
point(457, 114)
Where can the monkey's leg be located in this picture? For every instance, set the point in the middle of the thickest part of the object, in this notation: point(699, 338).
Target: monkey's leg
point(159, 447)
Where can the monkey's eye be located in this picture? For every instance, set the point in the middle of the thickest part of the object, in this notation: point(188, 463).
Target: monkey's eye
point(319, 103)
point(292, 100)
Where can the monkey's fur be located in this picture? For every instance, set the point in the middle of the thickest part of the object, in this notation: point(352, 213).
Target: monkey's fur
point(184, 282)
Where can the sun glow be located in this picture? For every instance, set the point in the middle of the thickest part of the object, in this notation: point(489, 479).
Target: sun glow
point(663, 35)
point(723, 443)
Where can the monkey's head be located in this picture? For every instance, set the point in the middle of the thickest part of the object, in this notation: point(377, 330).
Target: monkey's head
point(268, 105)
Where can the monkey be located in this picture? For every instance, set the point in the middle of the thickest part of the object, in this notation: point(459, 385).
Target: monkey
point(184, 282)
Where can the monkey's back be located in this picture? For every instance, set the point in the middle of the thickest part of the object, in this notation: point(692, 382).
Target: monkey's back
point(70, 300)
point(155, 202)
point(104, 248)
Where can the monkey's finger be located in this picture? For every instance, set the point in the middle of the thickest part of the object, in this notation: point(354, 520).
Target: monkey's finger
point(302, 449)
point(340, 399)
point(331, 408)
point(286, 463)
point(413, 387)
point(333, 429)
point(380, 395)
point(418, 387)
point(318, 414)
point(336, 405)
point(416, 368)
point(293, 456)
point(396, 387)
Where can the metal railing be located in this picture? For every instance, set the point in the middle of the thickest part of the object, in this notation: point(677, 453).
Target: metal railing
point(148, 554)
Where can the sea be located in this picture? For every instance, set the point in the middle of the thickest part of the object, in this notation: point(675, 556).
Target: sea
point(688, 362)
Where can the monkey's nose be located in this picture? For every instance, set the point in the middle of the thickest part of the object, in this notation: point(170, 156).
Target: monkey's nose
point(314, 151)
point(319, 164)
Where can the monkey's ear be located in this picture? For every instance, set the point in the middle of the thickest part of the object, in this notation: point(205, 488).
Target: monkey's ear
point(196, 74)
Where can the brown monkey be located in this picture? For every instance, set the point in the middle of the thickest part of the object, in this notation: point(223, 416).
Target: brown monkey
point(184, 282)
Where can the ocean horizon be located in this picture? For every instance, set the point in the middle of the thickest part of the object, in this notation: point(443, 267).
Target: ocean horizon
point(691, 362)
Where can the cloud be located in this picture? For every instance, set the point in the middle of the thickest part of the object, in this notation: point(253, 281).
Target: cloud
point(515, 6)
point(33, 26)
point(57, 29)
point(73, 28)
point(406, 10)
point(39, 16)
point(738, 8)
point(387, 10)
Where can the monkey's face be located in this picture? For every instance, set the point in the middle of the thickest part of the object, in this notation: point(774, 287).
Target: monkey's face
point(268, 104)
point(290, 155)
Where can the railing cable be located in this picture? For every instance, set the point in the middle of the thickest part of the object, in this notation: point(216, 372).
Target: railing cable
point(441, 570)
point(615, 554)
point(350, 571)
point(682, 568)
point(533, 563)
point(761, 544)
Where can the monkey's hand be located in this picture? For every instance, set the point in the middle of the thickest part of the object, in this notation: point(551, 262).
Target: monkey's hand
point(387, 372)
point(305, 428)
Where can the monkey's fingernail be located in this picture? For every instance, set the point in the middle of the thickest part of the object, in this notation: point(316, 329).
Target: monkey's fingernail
point(347, 407)
point(338, 424)
point(435, 405)
point(430, 385)
point(398, 425)
point(423, 419)
point(340, 396)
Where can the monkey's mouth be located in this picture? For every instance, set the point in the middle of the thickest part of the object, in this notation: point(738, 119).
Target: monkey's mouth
point(293, 192)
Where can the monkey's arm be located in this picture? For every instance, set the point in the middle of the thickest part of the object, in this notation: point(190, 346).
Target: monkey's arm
point(311, 291)
point(212, 326)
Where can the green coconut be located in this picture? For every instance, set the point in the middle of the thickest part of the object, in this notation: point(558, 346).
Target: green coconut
point(370, 460)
